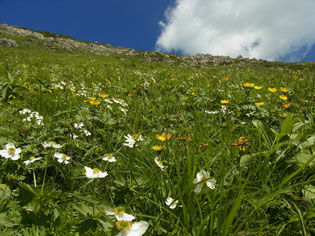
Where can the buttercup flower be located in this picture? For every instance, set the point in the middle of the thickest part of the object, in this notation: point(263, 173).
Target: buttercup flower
point(172, 203)
point(62, 158)
point(10, 152)
point(51, 144)
point(260, 103)
point(200, 181)
point(109, 158)
point(284, 89)
point(283, 97)
point(94, 173)
point(273, 90)
point(103, 95)
point(159, 163)
point(31, 160)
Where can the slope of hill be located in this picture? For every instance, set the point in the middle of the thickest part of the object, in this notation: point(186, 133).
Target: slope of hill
point(187, 145)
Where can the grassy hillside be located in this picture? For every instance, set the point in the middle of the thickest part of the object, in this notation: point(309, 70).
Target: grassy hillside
point(230, 141)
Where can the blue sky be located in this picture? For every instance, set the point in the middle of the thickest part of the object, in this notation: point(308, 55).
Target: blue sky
point(133, 24)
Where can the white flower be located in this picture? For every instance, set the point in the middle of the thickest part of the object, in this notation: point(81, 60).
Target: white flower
point(31, 160)
point(159, 163)
point(200, 177)
point(24, 111)
point(130, 141)
point(62, 158)
point(172, 203)
point(78, 126)
point(51, 144)
point(211, 112)
point(109, 158)
point(87, 133)
point(123, 110)
point(94, 173)
point(74, 136)
point(127, 228)
point(11, 152)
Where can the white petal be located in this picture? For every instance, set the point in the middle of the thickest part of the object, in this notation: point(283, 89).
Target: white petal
point(138, 229)
point(169, 201)
point(18, 150)
point(15, 157)
point(124, 217)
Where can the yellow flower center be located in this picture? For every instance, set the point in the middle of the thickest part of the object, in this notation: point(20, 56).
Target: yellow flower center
point(96, 170)
point(123, 225)
point(52, 143)
point(11, 150)
point(31, 158)
point(119, 210)
point(160, 163)
point(110, 156)
point(64, 156)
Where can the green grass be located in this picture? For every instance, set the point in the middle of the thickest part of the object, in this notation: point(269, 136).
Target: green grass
point(268, 189)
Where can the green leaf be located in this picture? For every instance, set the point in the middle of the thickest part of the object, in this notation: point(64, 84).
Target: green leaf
point(266, 132)
point(309, 192)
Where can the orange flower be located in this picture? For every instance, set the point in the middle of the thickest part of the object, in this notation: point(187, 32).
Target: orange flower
point(242, 142)
point(273, 90)
point(225, 101)
point(285, 105)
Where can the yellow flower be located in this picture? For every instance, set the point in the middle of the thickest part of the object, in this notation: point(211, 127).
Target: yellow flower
point(286, 105)
point(248, 84)
point(260, 103)
point(284, 89)
point(93, 98)
point(283, 97)
point(173, 78)
point(225, 78)
point(95, 102)
point(163, 137)
point(158, 148)
point(103, 95)
point(225, 101)
point(273, 90)
point(257, 87)
point(301, 79)
point(214, 76)
point(192, 93)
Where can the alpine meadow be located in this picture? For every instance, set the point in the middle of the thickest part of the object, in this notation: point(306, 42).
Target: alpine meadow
point(104, 140)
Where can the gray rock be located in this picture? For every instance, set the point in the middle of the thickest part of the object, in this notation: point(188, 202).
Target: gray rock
point(8, 42)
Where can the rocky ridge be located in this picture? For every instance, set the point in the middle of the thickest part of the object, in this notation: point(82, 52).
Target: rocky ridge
point(54, 42)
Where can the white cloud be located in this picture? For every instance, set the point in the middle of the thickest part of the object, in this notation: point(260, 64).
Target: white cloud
point(267, 29)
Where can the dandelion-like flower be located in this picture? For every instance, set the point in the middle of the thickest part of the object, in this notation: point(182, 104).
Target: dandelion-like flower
point(51, 145)
point(94, 173)
point(10, 152)
point(163, 137)
point(257, 87)
point(159, 163)
point(31, 160)
point(225, 101)
point(203, 177)
point(248, 84)
point(62, 158)
point(172, 203)
point(109, 158)
point(273, 90)
point(158, 148)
